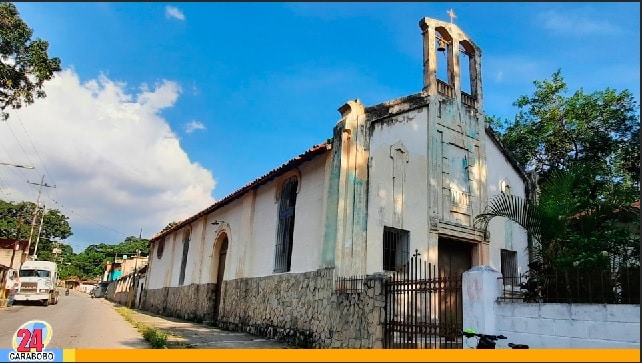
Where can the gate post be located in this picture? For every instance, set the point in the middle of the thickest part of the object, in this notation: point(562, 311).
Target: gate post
point(481, 287)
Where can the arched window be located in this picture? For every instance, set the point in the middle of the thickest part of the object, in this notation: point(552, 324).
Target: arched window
point(445, 72)
point(160, 248)
point(285, 229)
point(186, 239)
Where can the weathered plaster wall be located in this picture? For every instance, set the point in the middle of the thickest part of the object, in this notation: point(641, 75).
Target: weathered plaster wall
point(310, 217)
point(398, 192)
point(504, 233)
point(250, 223)
point(350, 187)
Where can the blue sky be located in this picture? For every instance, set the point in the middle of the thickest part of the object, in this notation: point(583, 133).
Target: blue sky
point(198, 99)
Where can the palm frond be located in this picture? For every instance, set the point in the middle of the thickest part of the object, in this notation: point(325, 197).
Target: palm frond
point(516, 209)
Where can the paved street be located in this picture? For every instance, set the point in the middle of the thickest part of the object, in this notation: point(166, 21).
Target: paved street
point(77, 321)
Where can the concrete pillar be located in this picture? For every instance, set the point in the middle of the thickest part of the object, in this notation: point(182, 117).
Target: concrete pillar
point(481, 287)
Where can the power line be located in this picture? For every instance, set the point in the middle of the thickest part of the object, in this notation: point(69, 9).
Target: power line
point(33, 146)
point(19, 143)
point(88, 219)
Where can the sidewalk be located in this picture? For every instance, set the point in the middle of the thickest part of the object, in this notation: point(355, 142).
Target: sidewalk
point(185, 334)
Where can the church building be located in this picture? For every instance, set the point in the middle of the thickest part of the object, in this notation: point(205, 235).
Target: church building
point(395, 179)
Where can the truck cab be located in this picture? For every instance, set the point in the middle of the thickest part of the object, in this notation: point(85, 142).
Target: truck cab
point(38, 281)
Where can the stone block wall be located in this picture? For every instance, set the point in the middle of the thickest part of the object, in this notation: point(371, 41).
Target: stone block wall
point(193, 302)
point(305, 310)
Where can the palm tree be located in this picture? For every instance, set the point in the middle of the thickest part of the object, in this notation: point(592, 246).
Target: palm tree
point(578, 223)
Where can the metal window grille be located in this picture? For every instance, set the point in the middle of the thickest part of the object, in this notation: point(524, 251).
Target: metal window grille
point(160, 248)
point(186, 239)
point(509, 267)
point(395, 248)
point(285, 229)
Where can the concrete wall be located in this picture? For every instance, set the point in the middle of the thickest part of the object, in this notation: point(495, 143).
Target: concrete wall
point(546, 325)
point(85, 288)
point(123, 291)
point(570, 325)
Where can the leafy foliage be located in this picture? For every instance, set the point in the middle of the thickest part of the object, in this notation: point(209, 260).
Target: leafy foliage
point(87, 264)
point(55, 225)
point(586, 150)
point(90, 263)
point(24, 63)
point(552, 131)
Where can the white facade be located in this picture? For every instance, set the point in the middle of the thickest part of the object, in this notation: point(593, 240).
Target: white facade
point(398, 189)
point(505, 234)
point(249, 223)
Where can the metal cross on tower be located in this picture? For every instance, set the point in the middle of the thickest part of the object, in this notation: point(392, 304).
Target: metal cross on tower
point(452, 15)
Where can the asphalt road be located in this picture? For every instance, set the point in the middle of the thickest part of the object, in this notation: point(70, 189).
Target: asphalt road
point(77, 321)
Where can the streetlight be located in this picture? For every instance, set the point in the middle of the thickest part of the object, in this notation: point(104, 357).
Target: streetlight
point(18, 165)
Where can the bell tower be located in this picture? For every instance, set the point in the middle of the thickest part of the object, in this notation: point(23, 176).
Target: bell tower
point(440, 37)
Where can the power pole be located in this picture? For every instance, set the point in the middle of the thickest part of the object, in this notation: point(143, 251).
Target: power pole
point(35, 213)
point(42, 219)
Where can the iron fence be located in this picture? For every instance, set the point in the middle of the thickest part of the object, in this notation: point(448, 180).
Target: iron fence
point(575, 286)
point(350, 285)
point(423, 307)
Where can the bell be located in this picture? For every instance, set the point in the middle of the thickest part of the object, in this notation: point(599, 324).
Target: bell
point(442, 46)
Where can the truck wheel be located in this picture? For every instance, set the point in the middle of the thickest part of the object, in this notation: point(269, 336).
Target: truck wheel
point(45, 302)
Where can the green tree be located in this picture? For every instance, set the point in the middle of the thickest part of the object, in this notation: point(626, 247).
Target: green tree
point(553, 131)
point(585, 148)
point(55, 227)
point(24, 63)
point(90, 263)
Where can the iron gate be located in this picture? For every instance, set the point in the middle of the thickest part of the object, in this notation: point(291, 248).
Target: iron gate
point(423, 307)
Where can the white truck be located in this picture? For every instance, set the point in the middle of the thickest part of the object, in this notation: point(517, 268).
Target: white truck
point(38, 280)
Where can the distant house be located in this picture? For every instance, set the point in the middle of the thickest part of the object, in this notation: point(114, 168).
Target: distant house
point(396, 179)
point(11, 254)
point(7, 248)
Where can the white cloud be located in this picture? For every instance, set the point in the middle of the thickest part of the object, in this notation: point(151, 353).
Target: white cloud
point(193, 126)
point(114, 160)
point(174, 12)
point(574, 23)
